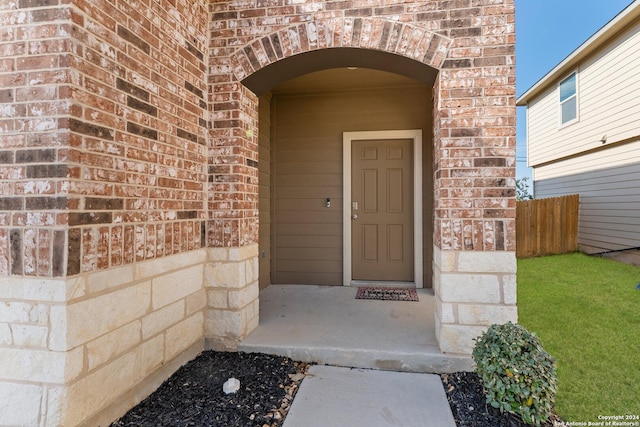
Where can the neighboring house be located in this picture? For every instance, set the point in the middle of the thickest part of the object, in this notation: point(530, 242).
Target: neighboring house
point(160, 162)
point(583, 134)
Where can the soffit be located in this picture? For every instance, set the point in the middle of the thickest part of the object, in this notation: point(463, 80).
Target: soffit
point(271, 76)
point(341, 79)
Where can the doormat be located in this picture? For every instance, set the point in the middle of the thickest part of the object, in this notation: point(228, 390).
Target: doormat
point(387, 294)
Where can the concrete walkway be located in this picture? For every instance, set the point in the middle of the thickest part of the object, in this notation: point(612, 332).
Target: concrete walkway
point(327, 325)
point(340, 397)
point(394, 340)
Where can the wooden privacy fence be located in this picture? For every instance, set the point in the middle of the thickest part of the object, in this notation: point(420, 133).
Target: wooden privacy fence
point(547, 226)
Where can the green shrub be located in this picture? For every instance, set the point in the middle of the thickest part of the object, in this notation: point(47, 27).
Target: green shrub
point(518, 375)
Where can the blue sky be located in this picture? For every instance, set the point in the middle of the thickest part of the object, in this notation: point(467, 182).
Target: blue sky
point(547, 31)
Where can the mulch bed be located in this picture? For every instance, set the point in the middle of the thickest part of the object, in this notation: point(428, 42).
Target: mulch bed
point(469, 406)
point(194, 395)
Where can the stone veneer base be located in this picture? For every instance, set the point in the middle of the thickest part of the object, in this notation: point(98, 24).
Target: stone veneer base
point(162, 313)
point(473, 290)
point(87, 347)
point(231, 283)
point(143, 389)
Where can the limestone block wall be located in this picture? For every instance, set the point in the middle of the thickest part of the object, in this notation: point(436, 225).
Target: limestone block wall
point(232, 287)
point(473, 291)
point(92, 346)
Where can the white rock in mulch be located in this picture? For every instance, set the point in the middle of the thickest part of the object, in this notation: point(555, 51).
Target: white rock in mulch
point(231, 386)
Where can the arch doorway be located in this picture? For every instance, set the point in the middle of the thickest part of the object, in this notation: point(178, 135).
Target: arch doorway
point(467, 124)
point(327, 119)
point(303, 124)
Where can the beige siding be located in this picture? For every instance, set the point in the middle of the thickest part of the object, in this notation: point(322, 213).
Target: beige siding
point(307, 169)
point(264, 169)
point(608, 89)
point(542, 127)
point(608, 182)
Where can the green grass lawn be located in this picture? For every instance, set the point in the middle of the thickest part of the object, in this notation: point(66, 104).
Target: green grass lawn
point(586, 312)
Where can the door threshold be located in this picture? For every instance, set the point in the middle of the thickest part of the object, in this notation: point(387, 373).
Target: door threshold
point(383, 284)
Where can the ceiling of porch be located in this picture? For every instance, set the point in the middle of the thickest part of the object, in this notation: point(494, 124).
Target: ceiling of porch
point(344, 59)
point(338, 79)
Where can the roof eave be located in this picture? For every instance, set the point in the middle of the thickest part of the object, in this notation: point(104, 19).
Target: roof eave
point(602, 36)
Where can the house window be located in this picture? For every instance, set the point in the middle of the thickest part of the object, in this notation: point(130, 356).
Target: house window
point(568, 99)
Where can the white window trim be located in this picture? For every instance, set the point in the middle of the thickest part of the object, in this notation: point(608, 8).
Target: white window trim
point(577, 97)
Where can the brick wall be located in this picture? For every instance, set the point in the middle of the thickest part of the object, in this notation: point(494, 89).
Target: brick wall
point(233, 165)
point(104, 124)
point(34, 55)
point(475, 183)
point(103, 133)
point(471, 42)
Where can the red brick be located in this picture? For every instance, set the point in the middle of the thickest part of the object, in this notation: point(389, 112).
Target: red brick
point(121, 51)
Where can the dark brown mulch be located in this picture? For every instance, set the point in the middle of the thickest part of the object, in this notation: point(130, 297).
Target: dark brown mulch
point(469, 406)
point(193, 396)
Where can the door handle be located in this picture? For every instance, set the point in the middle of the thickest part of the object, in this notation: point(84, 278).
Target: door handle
point(354, 216)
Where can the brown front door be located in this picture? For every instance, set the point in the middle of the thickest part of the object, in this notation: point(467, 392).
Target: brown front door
point(382, 210)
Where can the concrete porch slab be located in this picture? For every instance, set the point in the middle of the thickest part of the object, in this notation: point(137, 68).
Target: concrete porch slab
point(333, 396)
point(328, 326)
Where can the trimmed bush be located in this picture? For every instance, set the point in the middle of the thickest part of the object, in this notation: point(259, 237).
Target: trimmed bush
point(518, 375)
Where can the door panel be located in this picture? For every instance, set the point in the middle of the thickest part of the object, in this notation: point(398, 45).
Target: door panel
point(395, 191)
point(395, 248)
point(370, 242)
point(382, 210)
point(369, 190)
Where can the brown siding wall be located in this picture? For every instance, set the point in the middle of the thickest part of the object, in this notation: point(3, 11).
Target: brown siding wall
point(307, 168)
point(264, 171)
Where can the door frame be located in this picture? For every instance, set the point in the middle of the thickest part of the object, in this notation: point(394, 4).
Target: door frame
point(347, 139)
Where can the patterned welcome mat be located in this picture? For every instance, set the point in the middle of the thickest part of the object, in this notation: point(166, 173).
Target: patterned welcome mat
point(387, 294)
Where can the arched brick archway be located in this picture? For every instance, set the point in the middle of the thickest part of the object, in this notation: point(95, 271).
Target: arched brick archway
point(249, 70)
point(402, 39)
point(474, 157)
